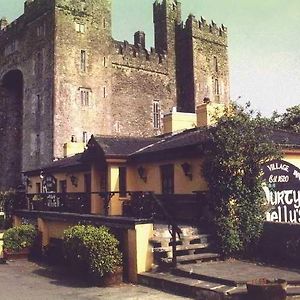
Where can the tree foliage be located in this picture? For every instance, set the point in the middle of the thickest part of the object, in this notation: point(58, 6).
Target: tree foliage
point(290, 120)
point(238, 147)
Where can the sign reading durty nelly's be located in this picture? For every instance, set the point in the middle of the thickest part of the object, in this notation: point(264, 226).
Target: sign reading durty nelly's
point(282, 190)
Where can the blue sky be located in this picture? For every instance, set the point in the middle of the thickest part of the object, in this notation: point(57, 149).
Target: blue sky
point(264, 42)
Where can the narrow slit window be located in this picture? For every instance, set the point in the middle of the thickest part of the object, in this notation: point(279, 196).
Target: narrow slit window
point(84, 137)
point(217, 87)
point(216, 67)
point(156, 114)
point(83, 60)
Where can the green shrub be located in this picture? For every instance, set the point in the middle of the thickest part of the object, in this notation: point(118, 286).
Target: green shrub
point(91, 250)
point(20, 237)
point(240, 144)
point(7, 200)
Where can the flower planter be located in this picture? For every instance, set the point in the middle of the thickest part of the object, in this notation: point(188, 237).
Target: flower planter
point(11, 254)
point(263, 289)
point(110, 279)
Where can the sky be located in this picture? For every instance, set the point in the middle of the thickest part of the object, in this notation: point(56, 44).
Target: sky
point(264, 43)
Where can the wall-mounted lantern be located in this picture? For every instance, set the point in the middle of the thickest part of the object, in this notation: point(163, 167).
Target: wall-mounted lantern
point(28, 182)
point(187, 170)
point(74, 180)
point(142, 173)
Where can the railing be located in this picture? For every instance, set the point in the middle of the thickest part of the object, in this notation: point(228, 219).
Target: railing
point(60, 202)
point(148, 205)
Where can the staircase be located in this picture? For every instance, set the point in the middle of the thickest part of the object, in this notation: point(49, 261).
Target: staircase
point(192, 246)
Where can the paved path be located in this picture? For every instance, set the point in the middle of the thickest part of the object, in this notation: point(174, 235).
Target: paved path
point(22, 280)
point(241, 271)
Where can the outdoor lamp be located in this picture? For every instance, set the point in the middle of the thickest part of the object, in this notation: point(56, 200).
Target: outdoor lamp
point(187, 170)
point(74, 180)
point(142, 173)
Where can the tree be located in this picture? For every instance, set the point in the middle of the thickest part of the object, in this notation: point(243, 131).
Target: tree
point(239, 146)
point(290, 120)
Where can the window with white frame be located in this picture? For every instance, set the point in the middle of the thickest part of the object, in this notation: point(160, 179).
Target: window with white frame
point(85, 137)
point(85, 96)
point(156, 114)
point(79, 27)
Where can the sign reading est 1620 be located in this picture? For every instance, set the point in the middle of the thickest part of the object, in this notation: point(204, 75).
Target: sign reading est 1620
point(282, 191)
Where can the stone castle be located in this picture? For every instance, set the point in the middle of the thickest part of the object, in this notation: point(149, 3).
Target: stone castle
point(63, 75)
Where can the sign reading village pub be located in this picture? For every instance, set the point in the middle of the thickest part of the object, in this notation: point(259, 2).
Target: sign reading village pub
point(282, 191)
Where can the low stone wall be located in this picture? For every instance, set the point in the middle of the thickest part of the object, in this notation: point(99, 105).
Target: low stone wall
point(280, 244)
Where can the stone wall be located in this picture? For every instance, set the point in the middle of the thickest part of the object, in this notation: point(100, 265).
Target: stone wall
point(79, 81)
point(26, 48)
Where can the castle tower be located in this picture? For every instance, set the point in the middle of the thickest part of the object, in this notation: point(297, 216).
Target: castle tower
point(167, 17)
point(203, 65)
point(82, 83)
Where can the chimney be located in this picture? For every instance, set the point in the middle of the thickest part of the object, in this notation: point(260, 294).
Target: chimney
point(3, 23)
point(208, 113)
point(178, 121)
point(139, 39)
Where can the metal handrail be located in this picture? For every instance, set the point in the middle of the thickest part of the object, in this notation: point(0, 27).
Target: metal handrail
point(174, 229)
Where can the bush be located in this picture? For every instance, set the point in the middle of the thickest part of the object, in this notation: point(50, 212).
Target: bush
point(20, 237)
point(239, 146)
point(91, 250)
point(7, 200)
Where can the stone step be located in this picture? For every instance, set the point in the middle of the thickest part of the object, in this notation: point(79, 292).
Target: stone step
point(202, 237)
point(201, 289)
point(185, 287)
point(182, 247)
point(193, 258)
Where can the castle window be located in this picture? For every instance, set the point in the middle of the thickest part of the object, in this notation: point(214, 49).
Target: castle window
point(84, 96)
point(11, 47)
point(79, 27)
point(104, 61)
point(104, 23)
point(217, 87)
point(38, 103)
point(38, 145)
point(39, 64)
point(40, 30)
point(117, 126)
point(156, 114)
point(83, 60)
point(104, 92)
point(216, 68)
point(84, 137)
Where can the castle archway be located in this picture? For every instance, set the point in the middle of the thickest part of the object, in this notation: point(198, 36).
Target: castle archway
point(11, 122)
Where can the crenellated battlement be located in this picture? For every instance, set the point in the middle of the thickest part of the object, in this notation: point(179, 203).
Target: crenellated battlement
point(137, 56)
point(32, 10)
point(209, 31)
